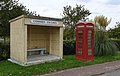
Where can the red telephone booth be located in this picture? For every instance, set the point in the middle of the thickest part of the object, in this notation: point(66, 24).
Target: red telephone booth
point(84, 41)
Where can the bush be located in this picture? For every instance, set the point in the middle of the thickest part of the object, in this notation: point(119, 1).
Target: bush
point(4, 51)
point(118, 42)
point(69, 47)
point(103, 46)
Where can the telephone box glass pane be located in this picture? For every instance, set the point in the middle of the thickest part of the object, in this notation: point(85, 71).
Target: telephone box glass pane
point(89, 31)
point(80, 36)
point(80, 46)
point(89, 42)
point(89, 46)
point(80, 40)
point(89, 52)
point(80, 50)
point(89, 34)
point(89, 38)
point(80, 31)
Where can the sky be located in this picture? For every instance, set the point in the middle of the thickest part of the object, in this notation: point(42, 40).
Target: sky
point(54, 8)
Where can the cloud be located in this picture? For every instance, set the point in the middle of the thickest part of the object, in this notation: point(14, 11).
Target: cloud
point(114, 2)
point(85, 1)
point(99, 1)
point(96, 13)
point(53, 8)
point(102, 7)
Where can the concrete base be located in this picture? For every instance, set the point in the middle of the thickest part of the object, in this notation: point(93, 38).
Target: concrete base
point(37, 59)
point(17, 62)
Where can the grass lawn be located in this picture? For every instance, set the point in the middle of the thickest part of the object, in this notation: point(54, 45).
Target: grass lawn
point(10, 69)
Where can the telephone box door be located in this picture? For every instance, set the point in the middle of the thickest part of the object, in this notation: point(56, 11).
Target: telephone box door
point(79, 43)
point(90, 43)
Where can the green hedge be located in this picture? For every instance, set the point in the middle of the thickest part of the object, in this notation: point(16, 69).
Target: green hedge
point(4, 50)
point(69, 47)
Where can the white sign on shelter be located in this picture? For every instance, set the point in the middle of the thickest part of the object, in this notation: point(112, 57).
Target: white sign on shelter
point(36, 21)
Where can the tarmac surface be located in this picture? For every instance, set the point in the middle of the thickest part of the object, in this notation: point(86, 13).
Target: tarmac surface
point(113, 73)
point(104, 69)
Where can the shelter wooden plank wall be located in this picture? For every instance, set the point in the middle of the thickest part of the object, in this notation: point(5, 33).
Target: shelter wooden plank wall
point(55, 41)
point(44, 37)
point(38, 37)
point(17, 40)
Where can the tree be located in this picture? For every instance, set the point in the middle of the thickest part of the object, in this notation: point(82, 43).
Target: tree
point(115, 32)
point(103, 45)
point(71, 15)
point(9, 10)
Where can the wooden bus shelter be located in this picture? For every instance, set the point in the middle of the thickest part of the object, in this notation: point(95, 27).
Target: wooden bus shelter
point(35, 39)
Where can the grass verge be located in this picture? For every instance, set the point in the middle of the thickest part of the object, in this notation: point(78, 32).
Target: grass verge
point(10, 69)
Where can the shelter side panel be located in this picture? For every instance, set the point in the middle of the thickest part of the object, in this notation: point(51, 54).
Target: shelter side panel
point(17, 40)
point(61, 42)
point(55, 41)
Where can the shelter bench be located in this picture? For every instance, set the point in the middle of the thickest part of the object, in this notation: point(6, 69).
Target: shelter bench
point(37, 49)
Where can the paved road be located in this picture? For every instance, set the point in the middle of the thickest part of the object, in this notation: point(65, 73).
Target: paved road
point(93, 70)
point(113, 73)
